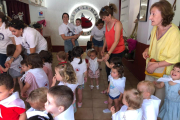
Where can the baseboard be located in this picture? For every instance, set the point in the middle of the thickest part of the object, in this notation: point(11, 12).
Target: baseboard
point(58, 48)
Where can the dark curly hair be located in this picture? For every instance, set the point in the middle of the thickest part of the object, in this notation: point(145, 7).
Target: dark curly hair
point(17, 24)
point(166, 11)
point(46, 56)
point(34, 60)
point(120, 69)
point(77, 52)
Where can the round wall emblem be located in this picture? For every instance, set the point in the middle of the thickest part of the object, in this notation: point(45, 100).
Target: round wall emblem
point(88, 16)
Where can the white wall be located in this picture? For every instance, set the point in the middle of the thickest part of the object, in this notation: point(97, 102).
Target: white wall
point(55, 9)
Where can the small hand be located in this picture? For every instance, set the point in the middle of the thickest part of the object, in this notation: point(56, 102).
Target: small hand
point(112, 109)
point(106, 57)
point(24, 95)
point(145, 54)
point(179, 92)
point(54, 80)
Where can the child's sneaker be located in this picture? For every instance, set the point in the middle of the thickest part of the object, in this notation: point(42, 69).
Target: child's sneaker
point(79, 105)
point(106, 111)
point(97, 86)
point(92, 86)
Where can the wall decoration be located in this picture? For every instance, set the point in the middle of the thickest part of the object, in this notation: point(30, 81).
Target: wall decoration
point(143, 12)
point(88, 16)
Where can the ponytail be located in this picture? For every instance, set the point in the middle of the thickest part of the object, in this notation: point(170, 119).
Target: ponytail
point(108, 10)
point(113, 7)
point(80, 61)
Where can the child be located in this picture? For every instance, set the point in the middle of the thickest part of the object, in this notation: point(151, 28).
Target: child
point(66, 75)
point(94, 68)
point(170, 109)
point(116, 87)
point(47, 58)
point(35, 77)
point(15, 68)
point(88, 49)
point(11, 106)
point(37, 99)
point(77, 30)
point(131, 110)
point(151, 103)
point(80, 69)
point(61, 57)
point(59, 103)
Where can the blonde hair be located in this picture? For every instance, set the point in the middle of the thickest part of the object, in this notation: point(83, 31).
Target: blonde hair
point(108, 10)
point(38, 96)
point(62, 55)
point(133, 98)
point(66, 71)
point(149, 86)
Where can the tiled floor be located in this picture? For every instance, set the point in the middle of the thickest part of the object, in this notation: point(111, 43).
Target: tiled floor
point(93, 100)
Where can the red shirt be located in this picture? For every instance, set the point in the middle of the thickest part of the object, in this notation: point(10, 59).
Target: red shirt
point(62, 62)
point(110, 36)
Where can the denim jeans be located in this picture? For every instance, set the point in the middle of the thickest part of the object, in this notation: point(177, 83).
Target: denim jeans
point(68, 46)
point(2, 59)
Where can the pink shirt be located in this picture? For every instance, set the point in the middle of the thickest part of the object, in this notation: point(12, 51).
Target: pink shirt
point(48, 70)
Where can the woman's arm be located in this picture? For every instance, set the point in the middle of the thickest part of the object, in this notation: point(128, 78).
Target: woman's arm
point(91, 38)
point(104, 46)
point(23, 116)
point(13, 40)
point(68, 37)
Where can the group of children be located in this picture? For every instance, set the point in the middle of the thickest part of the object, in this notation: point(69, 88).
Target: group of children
point(47, 100)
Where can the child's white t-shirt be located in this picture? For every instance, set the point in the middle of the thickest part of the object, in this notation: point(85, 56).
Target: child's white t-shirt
point(98, 34)
point(93, 65)
point(124, 114)
point(150, 108)
point(116, 86)
point(16, 63)
point(79, 69)
point(31, 38)
point(77, 29)
point(5, 40)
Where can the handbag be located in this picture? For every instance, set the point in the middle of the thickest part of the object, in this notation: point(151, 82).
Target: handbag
point(159, 72)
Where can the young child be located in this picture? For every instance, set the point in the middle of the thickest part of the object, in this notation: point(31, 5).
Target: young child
point(89, 47)
point(116, 87)
point(15, 68)
point(11, 106)
point(35, 77)
point(66, 75)
point(77, 30)
point(170, 109)
point(47, 58)
point(59, 103)
point(80, 69)
point(61, 57)
point(131, 110)
point(37, 99)
point(151, 103)
point(93, 65)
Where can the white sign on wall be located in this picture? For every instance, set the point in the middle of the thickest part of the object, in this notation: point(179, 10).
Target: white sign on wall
point(125, 15)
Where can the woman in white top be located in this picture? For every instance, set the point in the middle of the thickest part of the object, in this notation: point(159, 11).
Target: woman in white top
point(26, 37)
point(66, 32)
point(6, 37)
point(97, 35)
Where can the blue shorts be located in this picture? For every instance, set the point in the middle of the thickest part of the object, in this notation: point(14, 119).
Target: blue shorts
point(114, 97)
point(3, 58)
point(68, 46)
point(97, 43)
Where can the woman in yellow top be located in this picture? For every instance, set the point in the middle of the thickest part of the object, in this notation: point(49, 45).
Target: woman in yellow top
point(165, 41)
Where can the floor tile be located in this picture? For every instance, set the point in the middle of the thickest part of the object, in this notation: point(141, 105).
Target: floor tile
point(84, 113)
point(99, 103)
point(98, 114)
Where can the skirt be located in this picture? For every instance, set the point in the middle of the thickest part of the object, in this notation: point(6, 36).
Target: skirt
point(92, 75)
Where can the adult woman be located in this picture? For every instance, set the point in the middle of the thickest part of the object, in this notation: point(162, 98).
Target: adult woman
point(113, 35)
point(66, 32)
point(165, 41)
point(97, 35)
point(6, 37)
point(27, 37)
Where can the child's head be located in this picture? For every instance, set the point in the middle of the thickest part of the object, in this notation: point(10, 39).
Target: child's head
point(78, 21)
point(46, 56)
point(11, 48)
point(34, 61)
point(24, 65)
point(77, 52)
point(175, 72)
point(117, 71)
point(89, 45)
point(65, 72)
point(61, 56)
point(146, 88)
point(115, 61)
point(37, 98)
point(132, 98)
point(6, 86)
point(93, 54)
point(59, 98)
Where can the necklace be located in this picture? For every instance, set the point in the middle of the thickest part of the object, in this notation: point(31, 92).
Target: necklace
point(163, 32)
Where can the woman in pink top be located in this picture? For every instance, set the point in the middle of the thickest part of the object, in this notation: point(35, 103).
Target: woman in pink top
point(47, 58)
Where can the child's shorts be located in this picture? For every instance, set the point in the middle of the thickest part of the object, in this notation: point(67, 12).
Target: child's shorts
point(74, 106)
point(80, 86)
point(14, 73)
point(114, 97)
point(92, 75)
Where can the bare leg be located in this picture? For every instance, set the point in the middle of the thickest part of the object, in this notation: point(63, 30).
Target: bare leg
point(73, 42)
point(110, 101)
point(97, 81)
point(91, 81)
point(20, 83)
point(14, 79)
point(116, 104)
point(79, 95)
